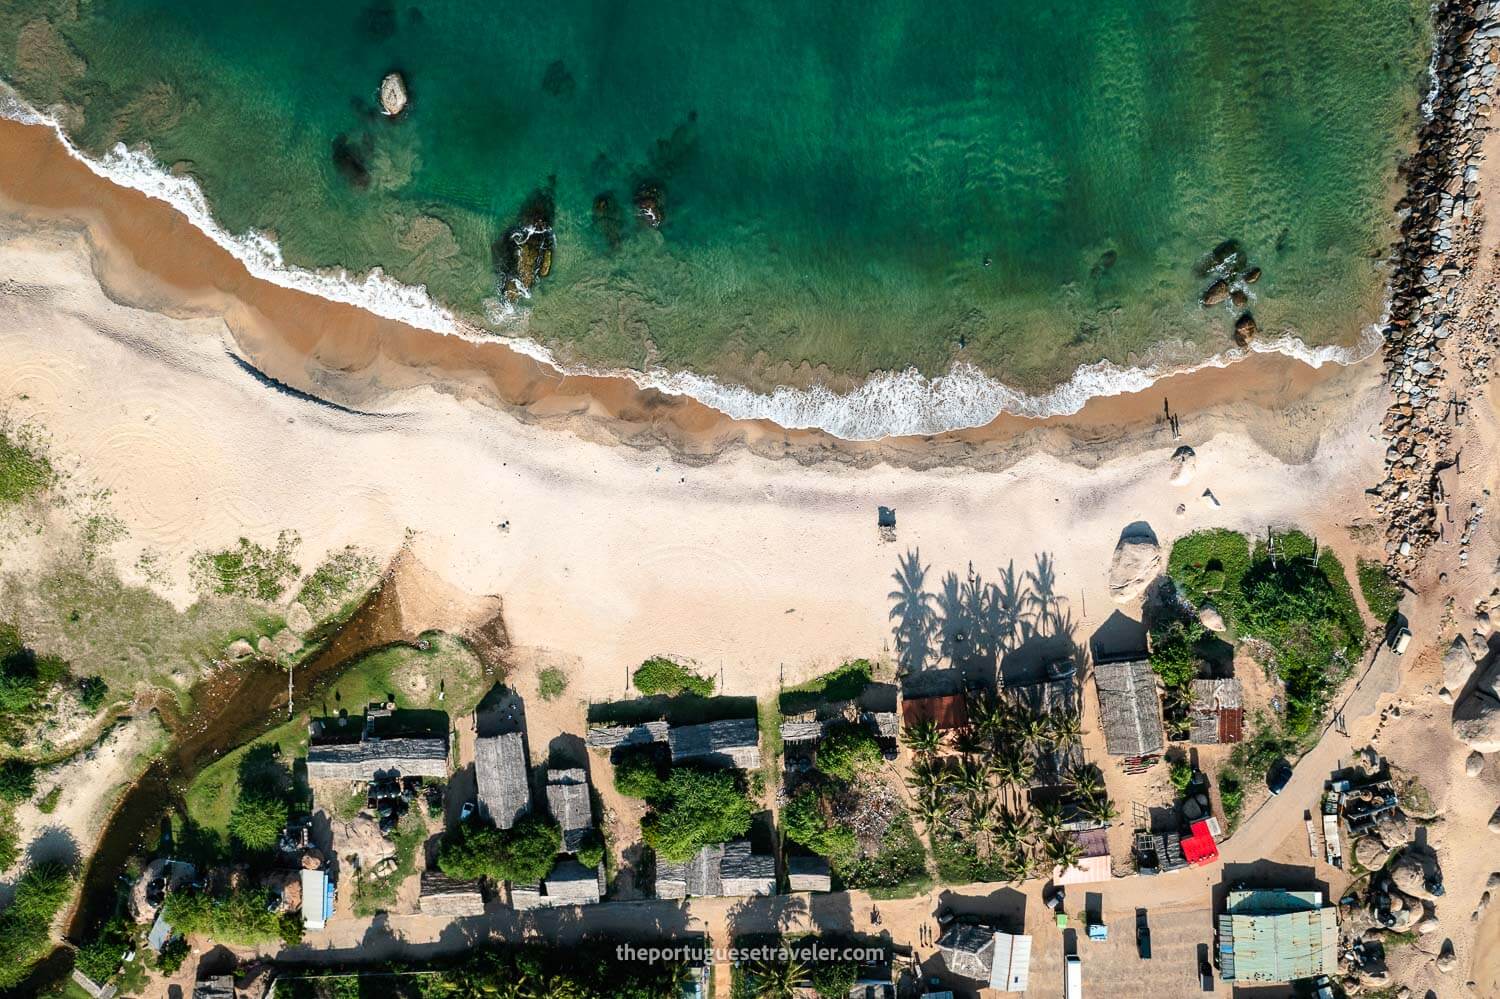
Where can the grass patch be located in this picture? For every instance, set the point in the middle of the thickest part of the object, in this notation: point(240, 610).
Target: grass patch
point(249, 569)
point(899, 870)
point(1381, 590)
point(551, 683)
point(341, 577)
point(1208, 566)
point(660, 675)
point(24, 468)
point(843, 684)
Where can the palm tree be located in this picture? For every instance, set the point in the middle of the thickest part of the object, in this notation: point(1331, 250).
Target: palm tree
point(970, 742)
point(922, 737)
point(1018, 865)
point(928, 775)
point(1066, 727)
point(1063, 851)
point(1034, 730)
point(1100, 809)
point(777, 980)
point(971, 776)
point(933, 811)
point(1085, 781)
point(987, 714)
point(1049, 820)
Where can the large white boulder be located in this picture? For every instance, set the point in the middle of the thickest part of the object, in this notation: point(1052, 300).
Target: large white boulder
point(392, 94)
point(1136, 563)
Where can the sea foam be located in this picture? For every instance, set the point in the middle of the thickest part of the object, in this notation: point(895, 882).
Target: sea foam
point(895, 404)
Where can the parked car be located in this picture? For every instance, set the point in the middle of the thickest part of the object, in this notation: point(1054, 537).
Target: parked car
point(1279, 777)
point(1400, 640)
point(1142, 935)
point(467, 811)
point(1205, 975)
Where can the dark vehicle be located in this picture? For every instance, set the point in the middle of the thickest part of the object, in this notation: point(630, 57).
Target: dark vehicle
point(1142, 935)
point(1205, 975)
point(1279, 777)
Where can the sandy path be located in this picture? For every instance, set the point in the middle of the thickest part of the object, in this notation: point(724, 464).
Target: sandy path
point(605, 554)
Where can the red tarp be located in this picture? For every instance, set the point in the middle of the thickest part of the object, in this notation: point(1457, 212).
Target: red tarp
point(1200, 848)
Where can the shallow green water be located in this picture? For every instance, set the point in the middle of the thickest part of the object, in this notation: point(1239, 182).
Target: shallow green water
point(834, 174)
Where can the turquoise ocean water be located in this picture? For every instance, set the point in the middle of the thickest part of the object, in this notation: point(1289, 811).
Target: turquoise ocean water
point(1029, 186)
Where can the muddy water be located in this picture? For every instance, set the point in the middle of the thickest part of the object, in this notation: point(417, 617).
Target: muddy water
point(229, 708)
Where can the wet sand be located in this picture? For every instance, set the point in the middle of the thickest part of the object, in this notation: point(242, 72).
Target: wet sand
point(147, 255)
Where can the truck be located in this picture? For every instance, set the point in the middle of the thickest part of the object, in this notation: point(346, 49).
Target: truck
point(1073, 982)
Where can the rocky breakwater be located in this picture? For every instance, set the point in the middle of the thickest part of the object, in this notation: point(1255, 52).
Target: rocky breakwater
point(1437, 337)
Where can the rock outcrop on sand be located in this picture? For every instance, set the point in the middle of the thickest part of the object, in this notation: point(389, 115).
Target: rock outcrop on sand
point(1136, 563)
point(1474, 765)
point(1210, 618)
point(1476, 716)
point(1184, 464)
point(392, 95)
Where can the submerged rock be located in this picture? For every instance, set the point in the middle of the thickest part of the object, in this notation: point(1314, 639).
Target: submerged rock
point(1216, 293)
point(1238, 298)
point(1252, 275)
point(648, 205)
point(393, 95)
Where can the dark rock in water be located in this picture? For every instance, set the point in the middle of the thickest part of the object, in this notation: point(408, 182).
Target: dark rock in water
point(349, 158)
point(1238, 298)
point(557, 81)
point(1245, 330)
point(648, 205)
point(608, 219)
point(392, 95)
point(1216, 293)
point(379, 20)
point(1227, 256)
point(1252, 275)
point(1103, 264)
point(524, 254)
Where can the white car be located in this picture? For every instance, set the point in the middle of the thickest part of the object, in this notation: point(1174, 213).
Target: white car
point(1401, 641)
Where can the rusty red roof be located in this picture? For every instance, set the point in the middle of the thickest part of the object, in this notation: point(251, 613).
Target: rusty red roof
point(946, 711)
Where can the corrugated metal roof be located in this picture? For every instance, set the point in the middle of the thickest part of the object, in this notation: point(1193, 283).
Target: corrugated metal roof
point(315, 908)
point(1277, 936)
point(1012, 965)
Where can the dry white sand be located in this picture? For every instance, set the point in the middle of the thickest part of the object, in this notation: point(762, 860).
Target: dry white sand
point(604, 555)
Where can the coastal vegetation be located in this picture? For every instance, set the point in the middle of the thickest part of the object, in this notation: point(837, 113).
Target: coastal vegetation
point(25, 924)
point(691, 807)
point(249, 569)
point(551, 683)
point(242, 917)
point(524, 853)
point(25, 469)
point(660, 675)
point(340, 578)
point(845, 683)
point(1380, 589)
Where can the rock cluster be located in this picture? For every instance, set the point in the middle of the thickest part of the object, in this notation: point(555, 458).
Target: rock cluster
point(1436, 340)
point(392, 95)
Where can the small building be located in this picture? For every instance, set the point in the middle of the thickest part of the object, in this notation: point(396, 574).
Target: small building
point(217, 987)
point(317, 899)
point(372, 758)
point(733, 742)
point(1129, 708)
point(885, 724)
point(568, 800)
point(1274, 936)
point(795, 731)
point(500, 772)
point(717, 869)
point(1217, 714)
point(946, 711)
point(809, 874)
point(1001, 960)
point(445, 896)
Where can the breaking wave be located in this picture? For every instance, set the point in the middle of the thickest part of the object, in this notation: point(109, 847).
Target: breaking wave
point(896, 404)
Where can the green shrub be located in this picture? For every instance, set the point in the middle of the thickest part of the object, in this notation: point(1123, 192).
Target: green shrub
point(693, 809)
point(91, 692)
point(843, 684)
point(25, 927)
point(834, 981)
point(523, 853)
point(848, 751)
point(662, 676)
point(1174, 655)
point(1208, 566)
point(335, 580)
point(1182, 777)
point(901, 862)
point(1231, 795)
point(637, 775)
point(24, 469)
point(173, 953)
point(1382, 591)
point(551, 683)
point(17, 781)
point(258, 819)
point(249, 570)
point(806, 820)
point(240, 918)
point(591, 850)
point(10, 837)
point(47, 803)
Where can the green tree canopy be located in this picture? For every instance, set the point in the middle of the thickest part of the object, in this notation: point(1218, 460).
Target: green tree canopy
point(695, 808)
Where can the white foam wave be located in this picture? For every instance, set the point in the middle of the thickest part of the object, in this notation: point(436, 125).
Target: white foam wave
point(895, 404)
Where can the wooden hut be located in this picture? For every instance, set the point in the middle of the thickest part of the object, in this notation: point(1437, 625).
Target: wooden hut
point(808, 874)
point(1129, 708)
point(408, 756)
point(621, 736)
point(500, 772)
point(445, 896)
point(1217, 714)
point(568, 800)
point(744, 873)
point(734, 742)
point(571, 883)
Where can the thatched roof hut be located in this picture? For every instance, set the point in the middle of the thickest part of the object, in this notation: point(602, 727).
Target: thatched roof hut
point(571, 883)
point(619, 736)
point(408, 756)
point(809, 874)
point(217, 987)
point(500, 771)
point(445, 896)
point(734, 742)
point(1129, 708)
point(744, 873)
point(1218, 711)
point(969, 950)
point(802, 730)
point(568, 800)
point(698, 876)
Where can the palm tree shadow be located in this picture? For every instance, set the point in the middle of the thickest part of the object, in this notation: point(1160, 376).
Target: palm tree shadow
point(915, 623)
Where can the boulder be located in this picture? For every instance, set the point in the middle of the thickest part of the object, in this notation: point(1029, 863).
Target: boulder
point(1238, 298)
point(1216, 293)
point(1409, 873)
point(1370, 852)
point(1252, 275)
point(239, 649)
point(1245, 329)
point(1446, 959)
point(1495, 821)
point(285, 642)
point(1428, 925)
point(1493, 881)
point(1458, 664)
point(298, 619)
point(1476, 722)
point(1210, 618)
point(392, 95)
point(1184, 464)
point(1474, 765)
point(264, 647)
point(1137, 561)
